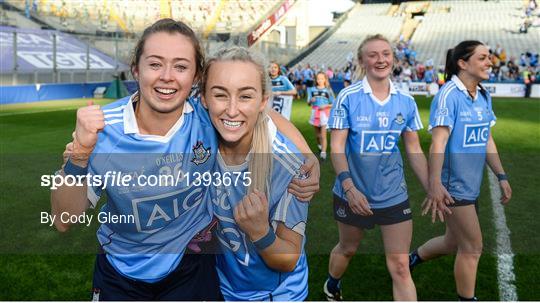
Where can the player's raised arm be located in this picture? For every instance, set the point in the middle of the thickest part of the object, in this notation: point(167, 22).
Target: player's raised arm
point(280, 250)
point(73, 199)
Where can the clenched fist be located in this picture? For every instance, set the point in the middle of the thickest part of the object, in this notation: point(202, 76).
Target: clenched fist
point(90, 121)
point(251, 215)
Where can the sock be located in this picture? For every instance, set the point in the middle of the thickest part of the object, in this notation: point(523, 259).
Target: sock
point(333, 284)
point(467, 299)
point(414, 258)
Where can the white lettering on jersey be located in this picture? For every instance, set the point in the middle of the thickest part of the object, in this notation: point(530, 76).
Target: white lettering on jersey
point(475, 135)
point(379, 141)
point(161, 215)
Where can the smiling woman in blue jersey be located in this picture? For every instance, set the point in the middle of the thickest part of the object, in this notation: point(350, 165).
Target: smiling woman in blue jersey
point(162, 129)
point(366, 123)
point(460, 121)
point(261, 226)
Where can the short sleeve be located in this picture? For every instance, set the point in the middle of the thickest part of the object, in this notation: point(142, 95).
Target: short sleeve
point(288, 84)
point(414, 123)
point(339, 115)
point(292, 213)
point(442, 111)
point(493, 118)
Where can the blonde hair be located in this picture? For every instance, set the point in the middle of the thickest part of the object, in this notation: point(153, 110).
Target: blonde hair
point(360, 71)
point(260, 160)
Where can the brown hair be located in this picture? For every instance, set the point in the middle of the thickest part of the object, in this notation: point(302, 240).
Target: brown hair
point(169, 26)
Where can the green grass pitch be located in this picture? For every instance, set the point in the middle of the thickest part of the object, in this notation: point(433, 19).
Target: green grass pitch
point(38, 263)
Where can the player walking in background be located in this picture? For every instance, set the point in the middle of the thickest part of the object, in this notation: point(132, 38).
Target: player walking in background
point(261, 225)
point(320, 97)
point(160, 130)
point(282, 92)
point(367, 121)
point(460, 120)
point(307, 75)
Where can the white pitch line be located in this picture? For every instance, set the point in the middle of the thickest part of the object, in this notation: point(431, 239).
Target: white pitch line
point(505, 256)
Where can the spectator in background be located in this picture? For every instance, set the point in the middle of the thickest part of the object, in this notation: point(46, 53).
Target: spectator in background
point(308, 75)
point(329, 73)
point(298, 81)
point(396, 73)
point(523, 60)
point(420, 70)
point(406, 74)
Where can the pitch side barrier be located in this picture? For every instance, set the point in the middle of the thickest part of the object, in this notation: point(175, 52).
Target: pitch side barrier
point(53, 91)
point(516, 90)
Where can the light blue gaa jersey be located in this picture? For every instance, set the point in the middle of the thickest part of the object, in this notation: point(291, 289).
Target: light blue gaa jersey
point(322, 96)
point(243, 274)
point(372, 148)
point(469, 122)
point(281, 84)
point(166, 217)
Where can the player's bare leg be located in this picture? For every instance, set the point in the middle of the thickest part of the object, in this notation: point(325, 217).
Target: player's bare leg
point(464, 224)
point(438, 246)
point(397, 241)
point(349, 240)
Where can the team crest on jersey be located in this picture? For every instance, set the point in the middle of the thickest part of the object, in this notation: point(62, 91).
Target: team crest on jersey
point(339, 113)
point(399, 119)
point(442, 111)
point(200, 153)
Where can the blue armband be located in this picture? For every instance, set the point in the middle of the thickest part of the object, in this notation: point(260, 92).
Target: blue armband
point(75, 170)
point(344, 175)
point(266, 241)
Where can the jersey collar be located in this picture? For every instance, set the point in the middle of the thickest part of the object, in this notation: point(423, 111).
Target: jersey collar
point(461, 86)
point(369, 91)
point(131, 126)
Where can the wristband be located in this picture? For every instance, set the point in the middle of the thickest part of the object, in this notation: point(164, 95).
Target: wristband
point(502, 177)
point(75, 170)
point(344, 175)
point(266, 241)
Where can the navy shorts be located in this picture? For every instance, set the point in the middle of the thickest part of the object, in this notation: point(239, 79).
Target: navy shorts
point(382, 216)
point(463, 202)
point(195, 279)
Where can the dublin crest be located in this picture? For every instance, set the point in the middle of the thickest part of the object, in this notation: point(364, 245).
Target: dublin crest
point(399, 119)
point(200, 153)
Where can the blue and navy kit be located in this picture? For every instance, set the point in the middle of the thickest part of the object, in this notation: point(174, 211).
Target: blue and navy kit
point(469, 122)
point(371, 149)
point(244, 276)
point(323, 96)
point(166, 217)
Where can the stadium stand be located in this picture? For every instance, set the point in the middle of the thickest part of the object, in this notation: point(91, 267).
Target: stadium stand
point(134, 16)
point(450, 21)
point(362, 20)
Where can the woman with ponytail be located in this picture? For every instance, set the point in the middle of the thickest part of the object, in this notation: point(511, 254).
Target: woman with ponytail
point(261, 225)
point(460, 121)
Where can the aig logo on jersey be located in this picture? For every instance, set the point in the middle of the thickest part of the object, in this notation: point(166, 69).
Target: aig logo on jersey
point(154, 213)
point(475, 135)
point(379, 141)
